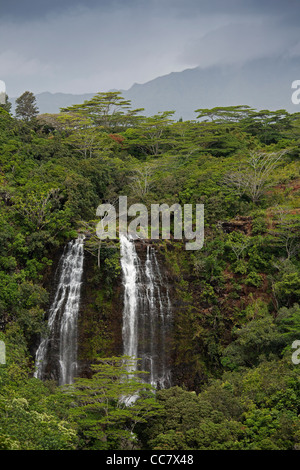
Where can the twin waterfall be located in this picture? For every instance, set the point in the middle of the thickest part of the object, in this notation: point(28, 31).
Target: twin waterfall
point(61, 343)
point(147, 316)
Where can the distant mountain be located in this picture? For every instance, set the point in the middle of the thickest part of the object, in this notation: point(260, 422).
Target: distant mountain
point(261, 84)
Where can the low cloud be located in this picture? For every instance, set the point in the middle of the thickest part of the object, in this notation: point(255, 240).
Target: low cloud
point(91, 46)
point(241, 42)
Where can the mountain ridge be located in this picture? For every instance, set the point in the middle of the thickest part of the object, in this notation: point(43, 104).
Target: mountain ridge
point(260, 84)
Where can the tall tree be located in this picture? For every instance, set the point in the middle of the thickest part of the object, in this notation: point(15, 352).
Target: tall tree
point(151, 136)
point(108, 407)
point(26, 108)
point(254, 173)
point(108, 110)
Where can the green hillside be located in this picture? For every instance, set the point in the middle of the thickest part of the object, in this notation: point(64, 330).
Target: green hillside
point(237, 310)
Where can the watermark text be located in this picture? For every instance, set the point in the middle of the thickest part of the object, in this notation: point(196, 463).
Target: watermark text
point(296, 93)
point(296, 354)
point(2, 353)
point(136, 222)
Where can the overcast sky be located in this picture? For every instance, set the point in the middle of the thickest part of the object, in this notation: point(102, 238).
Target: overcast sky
point(75, 46)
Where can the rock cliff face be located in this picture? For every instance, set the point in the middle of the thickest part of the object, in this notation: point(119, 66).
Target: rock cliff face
point(101, 317)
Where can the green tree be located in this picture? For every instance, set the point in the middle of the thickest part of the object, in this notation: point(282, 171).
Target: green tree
point(152, 135)
point(23, 428)
point(285, 230)
point(253, 342)
point(106, 109)
point(82, 134)
point(286, 283)
point(254, 174)
point(26, 107)
point(226, 114)
point(108, 407)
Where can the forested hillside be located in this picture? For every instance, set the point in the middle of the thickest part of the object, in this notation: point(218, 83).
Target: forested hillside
point(237, 300)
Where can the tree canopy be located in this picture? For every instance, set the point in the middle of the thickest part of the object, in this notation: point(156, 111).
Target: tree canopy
point(236, 313)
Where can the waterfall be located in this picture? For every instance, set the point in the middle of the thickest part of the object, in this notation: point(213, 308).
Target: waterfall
point(147, 313)
point(129, 261)
point(61, 343)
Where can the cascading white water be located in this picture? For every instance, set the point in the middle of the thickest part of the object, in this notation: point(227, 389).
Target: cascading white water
point(147, 313)
point(129, 261)
point(61, 341)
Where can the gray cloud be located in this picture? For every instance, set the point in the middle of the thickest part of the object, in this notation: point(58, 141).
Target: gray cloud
point(242, 41)
point(75, 46)
point(30, 9)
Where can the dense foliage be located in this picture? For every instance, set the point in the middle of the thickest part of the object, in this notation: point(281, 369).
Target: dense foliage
point(238, 303)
